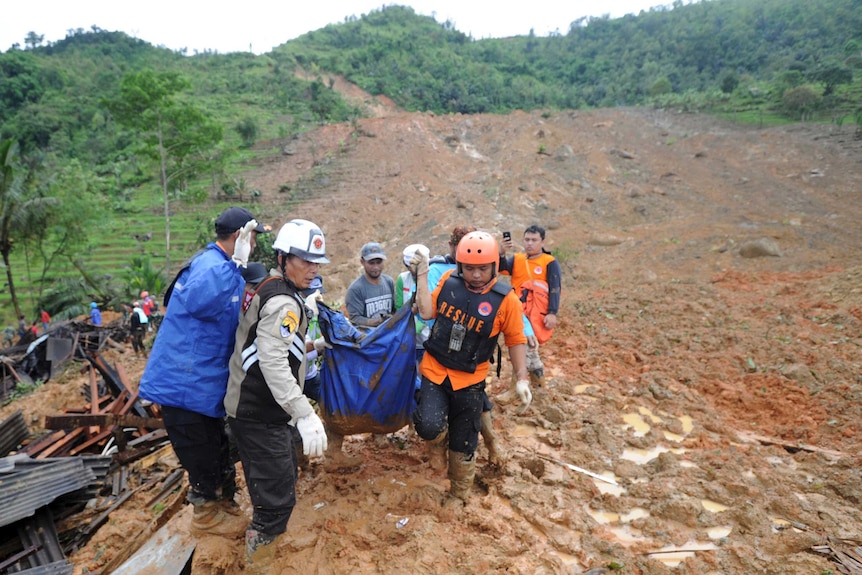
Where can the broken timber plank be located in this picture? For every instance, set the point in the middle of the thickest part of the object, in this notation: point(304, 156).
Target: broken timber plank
point(791, 447)
point(71, 420)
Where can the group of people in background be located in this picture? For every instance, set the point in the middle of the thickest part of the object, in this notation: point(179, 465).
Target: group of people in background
point(236, 353)
point(26, 332)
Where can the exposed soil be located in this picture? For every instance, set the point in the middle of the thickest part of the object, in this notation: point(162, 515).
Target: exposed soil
point(720, 391)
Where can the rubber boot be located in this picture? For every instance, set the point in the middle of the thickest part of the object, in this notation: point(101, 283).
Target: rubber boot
point(537, 377)
point(259, 551)
point(496, 454)
point(437, 449)
point(335, 457)
point(211, 518)
point(462, 470)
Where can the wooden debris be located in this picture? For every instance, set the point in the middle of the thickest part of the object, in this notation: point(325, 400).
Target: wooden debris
point(790, 447)
point(847, 553)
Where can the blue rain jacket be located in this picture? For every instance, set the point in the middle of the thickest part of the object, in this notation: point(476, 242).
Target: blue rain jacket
point(188, 365)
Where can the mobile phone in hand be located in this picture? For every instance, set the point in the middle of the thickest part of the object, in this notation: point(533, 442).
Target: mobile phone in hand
point(507, 235)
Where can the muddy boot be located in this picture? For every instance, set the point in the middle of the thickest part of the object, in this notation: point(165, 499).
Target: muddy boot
point(496, 454)
point(462, 470)
point(230, 506)
point(211, 518)
point(537, 377)
point(259, 551)
point(335, 457)
point(437, 449)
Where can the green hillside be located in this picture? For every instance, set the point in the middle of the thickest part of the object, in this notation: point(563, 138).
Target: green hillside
point(83, 178)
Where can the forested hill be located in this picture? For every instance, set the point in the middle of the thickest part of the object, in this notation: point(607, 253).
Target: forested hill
point(709, 47)
point(100, 125)
point(713, 54)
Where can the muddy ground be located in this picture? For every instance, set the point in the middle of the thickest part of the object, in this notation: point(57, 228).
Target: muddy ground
point(707, 359)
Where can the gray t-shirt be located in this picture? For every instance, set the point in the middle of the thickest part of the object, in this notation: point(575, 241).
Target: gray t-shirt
point(366, 300)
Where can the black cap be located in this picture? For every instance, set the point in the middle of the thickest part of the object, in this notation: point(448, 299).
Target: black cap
point(234, 218)
point(254, 273)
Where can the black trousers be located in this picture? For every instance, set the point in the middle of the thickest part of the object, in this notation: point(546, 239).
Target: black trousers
point(440, 406)
point(138, 339)
point(201, 445)
point(268, 455)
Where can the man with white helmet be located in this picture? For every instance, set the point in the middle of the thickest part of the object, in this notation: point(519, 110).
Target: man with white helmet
point(265, 404)
point(405, 287)
point(471, 309)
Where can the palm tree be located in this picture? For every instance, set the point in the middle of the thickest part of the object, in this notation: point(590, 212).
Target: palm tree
point(11, 198)
point(20, 216)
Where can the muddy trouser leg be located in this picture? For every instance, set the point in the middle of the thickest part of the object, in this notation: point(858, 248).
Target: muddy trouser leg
point(430, 422)
point(496, 455)
point(200, 443)
point(268, 460)
point(432, 410)
point(535, 366)
point(465, 413)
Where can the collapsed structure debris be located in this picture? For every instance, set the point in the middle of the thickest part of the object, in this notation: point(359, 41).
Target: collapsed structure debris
point(57, 488)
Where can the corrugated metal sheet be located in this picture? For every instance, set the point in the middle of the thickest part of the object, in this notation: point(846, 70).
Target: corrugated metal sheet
point(28, 484)
point(56, 568)
point(13, 430)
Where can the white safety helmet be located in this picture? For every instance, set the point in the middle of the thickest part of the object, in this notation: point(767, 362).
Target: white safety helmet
point(303, 239)
point(412, 249)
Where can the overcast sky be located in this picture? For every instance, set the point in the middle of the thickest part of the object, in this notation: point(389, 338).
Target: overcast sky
point(260, 25)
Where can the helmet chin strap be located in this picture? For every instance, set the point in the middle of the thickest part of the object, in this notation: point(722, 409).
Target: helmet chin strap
point(282, 260)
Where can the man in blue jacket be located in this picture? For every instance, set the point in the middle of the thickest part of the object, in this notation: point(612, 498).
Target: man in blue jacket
point(187, 371)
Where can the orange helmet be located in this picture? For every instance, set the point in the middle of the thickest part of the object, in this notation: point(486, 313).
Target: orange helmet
point(145, 293)
point(477, 248)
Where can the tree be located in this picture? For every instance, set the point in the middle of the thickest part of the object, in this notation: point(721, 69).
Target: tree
point(20, 215)
point(33, 40)
point(832, 75)
point(800, 101)
point(660, 86)
point(177, 134)
point(72, 208)
point(247, 130)
point(729, 82)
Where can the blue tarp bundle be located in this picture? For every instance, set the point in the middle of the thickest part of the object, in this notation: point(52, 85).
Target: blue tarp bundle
point(368, 380)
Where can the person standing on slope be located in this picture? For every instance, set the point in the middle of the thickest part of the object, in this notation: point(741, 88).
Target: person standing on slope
point(267, 410)
point(470, 310)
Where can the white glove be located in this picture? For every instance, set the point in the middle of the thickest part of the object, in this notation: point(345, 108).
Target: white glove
point(311, 302)
point(320, 344)
point(418, 264)
point(522, 388)
point(242, 246)
point(313, 435)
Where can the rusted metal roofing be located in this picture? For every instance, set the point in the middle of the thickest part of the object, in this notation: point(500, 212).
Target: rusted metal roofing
point(13, 430)
point(27, 484)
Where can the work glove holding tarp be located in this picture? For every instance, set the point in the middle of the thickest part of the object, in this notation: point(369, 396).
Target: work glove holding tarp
point(320, 345)
point(418, 264)
point(368, 380)
point(242, 246)
point(311, 302)
point(313, 435)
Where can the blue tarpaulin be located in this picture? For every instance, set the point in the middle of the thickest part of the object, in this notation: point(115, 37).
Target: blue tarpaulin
point(367, 380)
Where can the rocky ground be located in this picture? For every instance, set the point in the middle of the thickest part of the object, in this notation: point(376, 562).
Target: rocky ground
point(707, 363)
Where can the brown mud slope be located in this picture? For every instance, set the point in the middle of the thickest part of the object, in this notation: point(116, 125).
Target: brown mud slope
point(721, 392)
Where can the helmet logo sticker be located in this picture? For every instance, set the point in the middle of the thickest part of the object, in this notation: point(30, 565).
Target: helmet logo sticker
point(485, 309)
point(318, 242)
